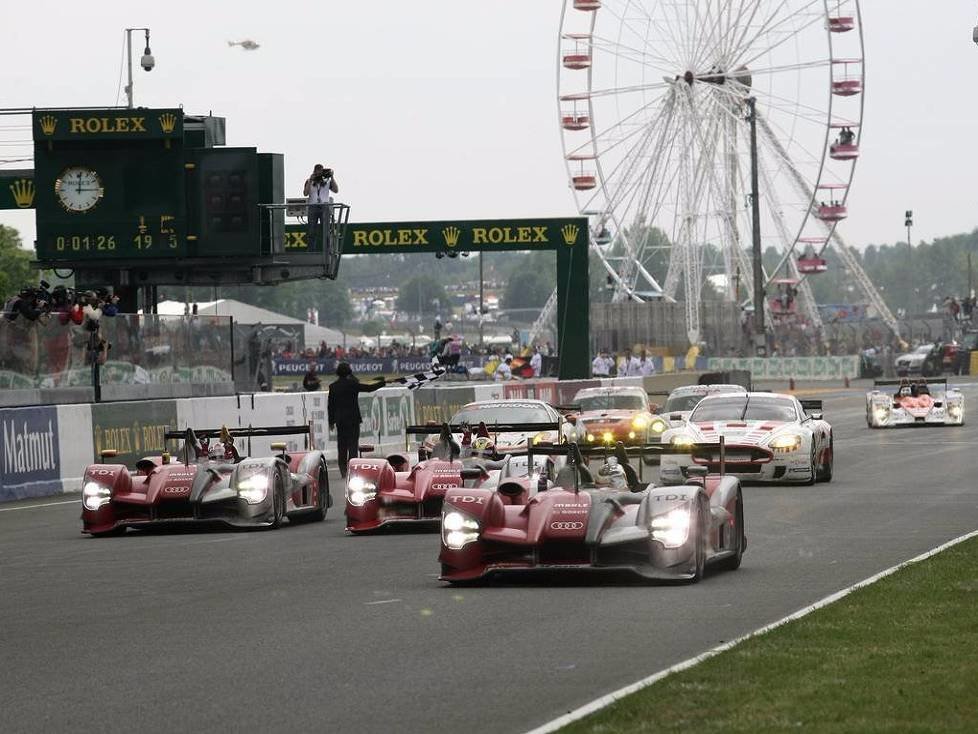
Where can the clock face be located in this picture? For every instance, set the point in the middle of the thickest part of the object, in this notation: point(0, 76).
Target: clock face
point(78, 189)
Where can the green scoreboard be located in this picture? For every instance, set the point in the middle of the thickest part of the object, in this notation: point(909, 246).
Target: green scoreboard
point(110, 184)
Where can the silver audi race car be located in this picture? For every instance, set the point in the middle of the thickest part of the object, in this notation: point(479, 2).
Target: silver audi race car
point(767, 438)
point(920, 402)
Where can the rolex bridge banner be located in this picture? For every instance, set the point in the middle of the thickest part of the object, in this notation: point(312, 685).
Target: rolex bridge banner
point(30, 455)
point(784, 368)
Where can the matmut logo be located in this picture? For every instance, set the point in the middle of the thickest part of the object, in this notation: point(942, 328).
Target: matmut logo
point(29, 449)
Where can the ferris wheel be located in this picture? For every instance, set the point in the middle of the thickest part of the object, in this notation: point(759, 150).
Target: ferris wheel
point(653, 110)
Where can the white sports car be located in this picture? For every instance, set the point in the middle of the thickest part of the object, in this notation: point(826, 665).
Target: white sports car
point(923, 402)
point(767, 437)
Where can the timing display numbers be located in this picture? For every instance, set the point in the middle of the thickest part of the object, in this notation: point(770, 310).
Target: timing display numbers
point(85, 243)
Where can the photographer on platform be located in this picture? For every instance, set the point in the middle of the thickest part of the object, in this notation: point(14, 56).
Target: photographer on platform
point(317, 190)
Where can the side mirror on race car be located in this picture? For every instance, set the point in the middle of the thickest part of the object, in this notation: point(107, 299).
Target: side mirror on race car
point(471, 473)
point(108, 454)
point(279, 446)
point(366, 448)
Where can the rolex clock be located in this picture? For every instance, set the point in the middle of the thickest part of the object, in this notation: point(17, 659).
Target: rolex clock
point(78, 189)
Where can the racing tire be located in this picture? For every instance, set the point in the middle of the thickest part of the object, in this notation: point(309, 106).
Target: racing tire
point(324, 500)
point(733, 562)
point(825, 475)
point(699, 567)
point(278, 502)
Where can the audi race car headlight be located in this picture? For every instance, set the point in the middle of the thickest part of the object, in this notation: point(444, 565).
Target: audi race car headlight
point(881, 414)
point(539, 438)
point(253, 489)
point(590, 438)
point(95, 495)
point(658, 425)
point(682, 441)
point(608, 437)
point(955, 411)
point(359, 491)
point(458, 530)
point(640, 422)
point(671, 529)
point(631, 434)
point(786, 443)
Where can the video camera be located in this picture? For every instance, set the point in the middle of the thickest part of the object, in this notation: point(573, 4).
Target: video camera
point(38, 302)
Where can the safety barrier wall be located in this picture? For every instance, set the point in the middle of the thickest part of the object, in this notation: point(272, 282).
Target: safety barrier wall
point(798, 368)
point(44, 449)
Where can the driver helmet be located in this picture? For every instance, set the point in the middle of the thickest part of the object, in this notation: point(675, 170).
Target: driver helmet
point(482, 445)
point(905, 391)
point(612, 474)
point(216, 452)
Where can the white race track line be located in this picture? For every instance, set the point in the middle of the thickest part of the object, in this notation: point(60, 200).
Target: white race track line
point(606, 700)
point(46, 504)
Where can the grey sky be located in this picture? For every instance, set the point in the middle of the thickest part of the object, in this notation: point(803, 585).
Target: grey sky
point(447, 108)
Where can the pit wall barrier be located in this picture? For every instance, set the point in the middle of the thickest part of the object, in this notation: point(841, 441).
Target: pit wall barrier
point(784, 368)
point(44, 450)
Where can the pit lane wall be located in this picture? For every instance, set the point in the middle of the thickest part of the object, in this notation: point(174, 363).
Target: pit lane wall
point(44, 449)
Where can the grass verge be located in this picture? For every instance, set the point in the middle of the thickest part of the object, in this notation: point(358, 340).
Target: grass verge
point(900, 655)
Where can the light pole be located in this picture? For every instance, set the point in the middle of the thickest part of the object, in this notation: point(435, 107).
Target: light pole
point(760, 337)
point(147, 61)
point(908, 223)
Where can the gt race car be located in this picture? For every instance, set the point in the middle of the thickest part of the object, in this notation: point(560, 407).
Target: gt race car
point(608, 415)
point(212, 483)
point(768, 438)
point(922, 402)
point(580, 523)
point(681, 401)
point(390, 491)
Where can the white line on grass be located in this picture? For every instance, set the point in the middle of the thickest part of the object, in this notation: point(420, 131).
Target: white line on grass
point(606, 700)
point(46, 504)
point(382, 601)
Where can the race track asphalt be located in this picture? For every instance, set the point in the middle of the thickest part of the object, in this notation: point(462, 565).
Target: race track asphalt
point(305, 629)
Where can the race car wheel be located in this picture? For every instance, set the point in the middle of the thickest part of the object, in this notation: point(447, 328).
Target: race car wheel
point(278, 501)
point(699, 528)
point(323, 491)
point(825, 475)
point(733, 562)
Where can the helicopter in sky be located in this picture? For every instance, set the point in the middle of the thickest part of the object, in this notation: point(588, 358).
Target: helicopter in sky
point(247, 44)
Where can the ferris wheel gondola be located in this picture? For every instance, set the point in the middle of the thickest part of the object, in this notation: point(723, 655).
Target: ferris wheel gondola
point(652, 103)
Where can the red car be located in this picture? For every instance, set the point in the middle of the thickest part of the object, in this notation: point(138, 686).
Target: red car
point(212, 483)
point(611, 522)
point(381, 492)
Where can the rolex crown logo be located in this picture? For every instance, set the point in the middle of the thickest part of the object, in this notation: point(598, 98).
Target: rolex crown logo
point(23, 191)
point(168, 121)
point(570, 232)
point(451, 235)
point(48, 123)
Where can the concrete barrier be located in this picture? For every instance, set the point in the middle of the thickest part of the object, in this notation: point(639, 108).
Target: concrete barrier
point(44, 450)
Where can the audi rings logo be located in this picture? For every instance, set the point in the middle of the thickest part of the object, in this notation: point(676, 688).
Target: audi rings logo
point(566, 526)
point(175, 490)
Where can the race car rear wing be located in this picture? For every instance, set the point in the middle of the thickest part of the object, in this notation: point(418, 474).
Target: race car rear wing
point(433, 428)
point(811, 406)
point(911, 381)
point(248, 432)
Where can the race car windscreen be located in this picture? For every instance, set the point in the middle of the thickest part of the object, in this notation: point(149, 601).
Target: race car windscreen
point(611, 402)
point(743, 408)
point(682, 403)
point(513, 413)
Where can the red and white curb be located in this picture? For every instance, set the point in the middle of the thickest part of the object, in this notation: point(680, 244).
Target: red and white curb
point(609, 698)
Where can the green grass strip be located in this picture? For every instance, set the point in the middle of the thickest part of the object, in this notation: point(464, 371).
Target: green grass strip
point(900, 655)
